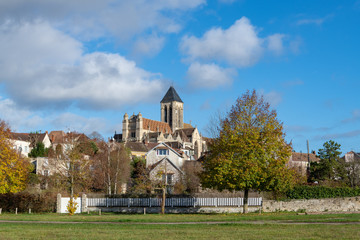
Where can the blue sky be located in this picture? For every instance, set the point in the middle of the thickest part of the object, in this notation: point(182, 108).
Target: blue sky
point(82, 65)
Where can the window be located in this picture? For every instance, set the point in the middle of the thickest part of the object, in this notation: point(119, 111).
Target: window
point(162, 152)
point(169, 178)
point(46, 172)
point(133, 134)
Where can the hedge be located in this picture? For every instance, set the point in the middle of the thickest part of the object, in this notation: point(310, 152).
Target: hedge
point(311, 192)
point(23, 201)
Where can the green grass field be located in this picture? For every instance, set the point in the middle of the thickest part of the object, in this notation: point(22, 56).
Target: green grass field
point(252, 226)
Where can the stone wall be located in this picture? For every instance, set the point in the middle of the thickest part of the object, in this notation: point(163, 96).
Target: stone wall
point(314, 205)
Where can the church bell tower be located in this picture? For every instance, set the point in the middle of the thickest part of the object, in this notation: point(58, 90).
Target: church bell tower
point(172, 109)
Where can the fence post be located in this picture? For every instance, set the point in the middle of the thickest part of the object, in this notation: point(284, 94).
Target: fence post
point(107, 202)
point(129, 202)
point(16, 210)
point(0, 210)
point(83, 203)
point(239, 202)
point(29, 210)
point(216, 202)
point(194, 202)
point(58, 203)
point(149, 202)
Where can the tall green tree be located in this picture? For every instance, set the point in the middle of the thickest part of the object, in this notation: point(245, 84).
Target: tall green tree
point(39, 151)
point(330, 166)
point(250, 151)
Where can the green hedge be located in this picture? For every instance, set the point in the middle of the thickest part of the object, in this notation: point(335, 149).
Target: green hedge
point(23, 201)
point(311, 192)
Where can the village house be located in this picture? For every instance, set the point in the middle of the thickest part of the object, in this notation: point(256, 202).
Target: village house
point(301, 161)
point(164, 164)
point(25, 142)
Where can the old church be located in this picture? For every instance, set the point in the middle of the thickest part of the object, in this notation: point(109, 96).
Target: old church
point(137, 130)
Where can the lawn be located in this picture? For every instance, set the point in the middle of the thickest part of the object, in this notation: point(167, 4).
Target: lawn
point(252, 226)
point(178, 231)
point(132, 218)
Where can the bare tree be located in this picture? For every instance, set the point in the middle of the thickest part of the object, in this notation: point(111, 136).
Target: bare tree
point(113, 165)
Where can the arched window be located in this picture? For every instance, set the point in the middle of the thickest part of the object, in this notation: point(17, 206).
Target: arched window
point(165, 114)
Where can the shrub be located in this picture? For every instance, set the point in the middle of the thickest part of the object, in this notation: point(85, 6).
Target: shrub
point(72, 206)
point(24, 200)
point(311, 192)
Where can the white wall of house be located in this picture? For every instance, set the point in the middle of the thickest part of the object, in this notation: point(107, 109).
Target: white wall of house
point(46, 141)
point(22, 146)
point(159, 152)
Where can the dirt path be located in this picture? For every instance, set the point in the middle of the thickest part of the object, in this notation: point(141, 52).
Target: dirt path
point(185, 223)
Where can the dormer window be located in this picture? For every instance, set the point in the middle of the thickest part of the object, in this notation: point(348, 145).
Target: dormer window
point(162, 152)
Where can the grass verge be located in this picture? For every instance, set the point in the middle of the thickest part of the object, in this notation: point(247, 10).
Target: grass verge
point(199, 231)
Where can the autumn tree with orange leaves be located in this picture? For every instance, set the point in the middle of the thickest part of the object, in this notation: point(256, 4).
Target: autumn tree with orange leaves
point(14, 169)
point(249, 152)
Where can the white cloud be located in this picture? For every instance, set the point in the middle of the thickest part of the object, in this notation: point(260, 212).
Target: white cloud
point(209, 75)
point(24, 120)
point(317, 21)
point(274, 98)
point(275, 43)
point(44, 67)
point(74, 122)
point(239, 45)
point(227, 1)
point(293, 83)
point(35, 44)
point(93, 18)
point(355, 116)
point(16, 117)
point(149, 45)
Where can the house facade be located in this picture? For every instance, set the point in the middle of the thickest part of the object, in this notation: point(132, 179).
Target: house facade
point(164, 164)
point(301, 161)
point(25, 142)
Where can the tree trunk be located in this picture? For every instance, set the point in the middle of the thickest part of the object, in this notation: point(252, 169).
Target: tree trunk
point(117, 171)
point(163, 201)
point(109, 171)
point(164, 192)
point(246, 196)
point(72, 181)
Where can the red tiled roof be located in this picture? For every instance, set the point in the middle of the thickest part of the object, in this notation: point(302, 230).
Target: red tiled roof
point(136, 146)
point(187, 125)
point(57, 136)
point(156, 126)
point(303, 157)
point(20, 136)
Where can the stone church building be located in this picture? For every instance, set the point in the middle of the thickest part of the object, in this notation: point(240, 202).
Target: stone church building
point(170, 130)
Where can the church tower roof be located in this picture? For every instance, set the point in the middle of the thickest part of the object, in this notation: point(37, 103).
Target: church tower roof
point(171, 96)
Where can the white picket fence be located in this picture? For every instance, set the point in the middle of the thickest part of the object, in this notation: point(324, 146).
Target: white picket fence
point(171, 202)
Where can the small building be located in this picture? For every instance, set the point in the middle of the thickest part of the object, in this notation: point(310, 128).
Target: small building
point(25, 142)
point(300, 161)
point(164, 164)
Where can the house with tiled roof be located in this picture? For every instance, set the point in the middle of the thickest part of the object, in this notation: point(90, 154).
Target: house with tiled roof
point(352, 166)
point(171, 128)
point(164, 163)
point(301, 161)
point(25, 142)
